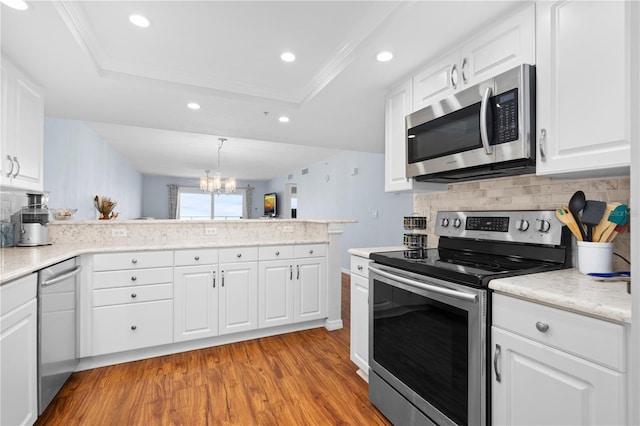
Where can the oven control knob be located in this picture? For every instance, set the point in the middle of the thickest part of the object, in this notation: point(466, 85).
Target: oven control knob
point(456, 223)
point(444, 222)
point(522, 225)
point(543, 225)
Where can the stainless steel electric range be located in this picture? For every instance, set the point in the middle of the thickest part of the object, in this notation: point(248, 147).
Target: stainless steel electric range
point(430, 311)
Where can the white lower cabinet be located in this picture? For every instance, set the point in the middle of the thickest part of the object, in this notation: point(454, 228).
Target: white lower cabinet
point(18, 352)
point(275, 293)
point(238, 290)
point(552, 367)
point(310, 283)
point(195, 294)
point(359, 350)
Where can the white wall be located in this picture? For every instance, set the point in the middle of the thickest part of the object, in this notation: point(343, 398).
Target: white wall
point(155, 194)
point(332, 189)
point(78, 165)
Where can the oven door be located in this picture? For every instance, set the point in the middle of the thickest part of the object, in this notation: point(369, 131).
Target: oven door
point(428, 344)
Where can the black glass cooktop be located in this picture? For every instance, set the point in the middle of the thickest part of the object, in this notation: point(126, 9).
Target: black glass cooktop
point(464, 267)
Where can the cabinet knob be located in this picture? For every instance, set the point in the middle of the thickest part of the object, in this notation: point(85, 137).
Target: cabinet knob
point(359, 267)
point(133, 327)
point(277, 253)
point(311, 251)
point(239, 255)
point(134, 295)
point(134, 261)
point(133, 278)
point(197, 258)
point(542, 327)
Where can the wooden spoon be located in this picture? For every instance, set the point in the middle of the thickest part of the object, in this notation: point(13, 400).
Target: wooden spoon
point(604, 222)
point(564, 215)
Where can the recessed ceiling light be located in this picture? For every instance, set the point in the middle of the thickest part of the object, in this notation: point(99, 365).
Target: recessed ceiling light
point(283, 119)
point(384, 56)
point(139, 21)
point(288, 57)
point(16, 4)
point(193, 105)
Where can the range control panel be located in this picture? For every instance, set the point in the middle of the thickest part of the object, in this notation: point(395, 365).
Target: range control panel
point(521, 226)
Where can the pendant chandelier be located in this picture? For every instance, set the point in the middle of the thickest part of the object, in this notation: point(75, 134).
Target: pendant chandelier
point(216, 184)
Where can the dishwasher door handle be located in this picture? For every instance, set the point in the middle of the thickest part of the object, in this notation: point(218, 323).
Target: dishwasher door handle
point(61, 277)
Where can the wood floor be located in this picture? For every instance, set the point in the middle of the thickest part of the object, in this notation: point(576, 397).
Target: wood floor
point(303, 378)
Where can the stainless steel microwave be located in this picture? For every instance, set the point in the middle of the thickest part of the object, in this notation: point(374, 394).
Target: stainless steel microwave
point(480, 132)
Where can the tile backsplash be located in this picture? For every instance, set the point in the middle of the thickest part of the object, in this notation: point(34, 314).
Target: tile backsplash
point(10, 202)
point(528, 192)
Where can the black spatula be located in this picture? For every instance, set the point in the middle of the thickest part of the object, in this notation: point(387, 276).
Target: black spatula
point(591, 215)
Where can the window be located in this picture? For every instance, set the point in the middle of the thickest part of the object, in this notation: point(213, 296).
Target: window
point(194, 204)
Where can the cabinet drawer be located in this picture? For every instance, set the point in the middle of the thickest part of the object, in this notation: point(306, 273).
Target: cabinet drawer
point(360, 266)
point(17, 292)
point(126, 327)
point(129, 278)
point(132, 260)
point(275, 252)
point(310, 250)
point(137, 294)
point(196, 257)
point(590, 338)
point(238, 254)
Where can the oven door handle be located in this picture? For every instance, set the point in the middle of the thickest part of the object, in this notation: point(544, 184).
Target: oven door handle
point(424, 286)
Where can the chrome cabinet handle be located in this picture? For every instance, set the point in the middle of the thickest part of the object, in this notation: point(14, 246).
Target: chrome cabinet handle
point(134, 295)
point(222, 273)
point(134, 261)
point(214, 278)
point(298, 273)
point(134, 278)
point(134, 327)
point(18, 163)
point(454, 76)
point(542, 327)
point(496, 355)
point(197, 258)
point(290, 272)
point(464, 65)
point(10, 172)
point(484, 114)
point(543, 145)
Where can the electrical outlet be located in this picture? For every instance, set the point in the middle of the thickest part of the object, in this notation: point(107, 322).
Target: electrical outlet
point(119, 233)
point(210, 231)
point(287, 229)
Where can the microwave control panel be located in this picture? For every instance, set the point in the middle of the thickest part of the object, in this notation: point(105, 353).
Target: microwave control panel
point(505, 109)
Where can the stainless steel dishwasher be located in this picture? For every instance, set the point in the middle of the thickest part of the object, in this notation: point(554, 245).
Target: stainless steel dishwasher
point(57, 328)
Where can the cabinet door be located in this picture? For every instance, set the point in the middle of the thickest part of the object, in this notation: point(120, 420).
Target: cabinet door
point(438, 81)
point(583, 87)
point(18, 366)
point(543, 386)
point(275, 293)
point(398, 105)
point(360, 323)
point(23, 127)
point(507, 44)
point(238, 297)
point(195, 302)
point(310, 290)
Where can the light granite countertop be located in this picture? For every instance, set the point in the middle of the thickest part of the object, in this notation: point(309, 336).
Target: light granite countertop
point(569, 289)
point(366, 252)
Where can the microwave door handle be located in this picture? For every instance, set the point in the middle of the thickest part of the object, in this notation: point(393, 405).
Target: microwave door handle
point(484, 130)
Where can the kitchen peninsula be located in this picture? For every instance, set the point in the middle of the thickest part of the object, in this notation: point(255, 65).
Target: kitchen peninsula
point(279, 255)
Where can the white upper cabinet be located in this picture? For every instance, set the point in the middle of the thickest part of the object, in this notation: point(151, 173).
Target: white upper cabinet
point(21, 149)
point(505, 45)
point(583, 87)
point(398, 105)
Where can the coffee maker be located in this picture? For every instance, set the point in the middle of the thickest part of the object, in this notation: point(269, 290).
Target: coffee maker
point(32, 221)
